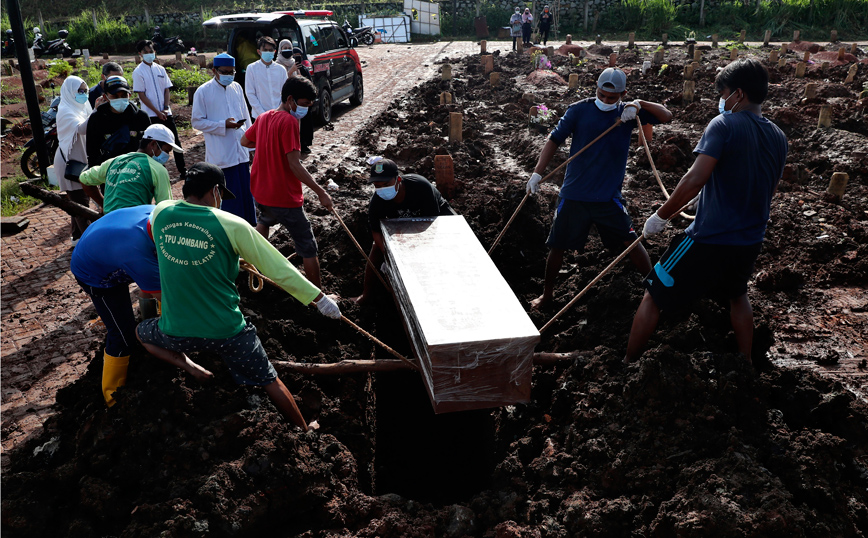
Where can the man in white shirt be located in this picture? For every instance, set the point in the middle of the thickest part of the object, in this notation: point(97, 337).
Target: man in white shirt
point(264, 78)
point(151, 83)
point(220, 112)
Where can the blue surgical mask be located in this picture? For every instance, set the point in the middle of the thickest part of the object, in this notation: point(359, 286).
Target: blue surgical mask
point(225, 80)
point(388, 193)
point(120, 104)
point(149, 58)
point(267, 55)
point(162, 157)
point(299, 112)
point(81, 98)
point(721, 106)
point(605, 107)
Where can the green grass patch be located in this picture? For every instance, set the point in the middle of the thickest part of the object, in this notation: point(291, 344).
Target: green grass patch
point(6, 96)
point(181, 78)
point(12, 200)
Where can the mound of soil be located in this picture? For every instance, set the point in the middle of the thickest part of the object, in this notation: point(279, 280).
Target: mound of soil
point(689, 441)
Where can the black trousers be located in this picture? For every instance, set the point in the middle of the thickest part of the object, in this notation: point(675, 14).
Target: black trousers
point(179, 157)
point(79, 224)
point(306, 130)
point(544, 34)
point(525, 32)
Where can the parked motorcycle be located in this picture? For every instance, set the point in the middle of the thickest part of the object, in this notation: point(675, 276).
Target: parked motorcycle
point(53, 47)
point(362, 34)
point(29, 159)
point(8, 45)
point(166, 45)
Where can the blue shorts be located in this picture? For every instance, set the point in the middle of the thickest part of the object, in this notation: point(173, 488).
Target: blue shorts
point(242, 353)
point(689, 270)
point(573, 220)
point(295, 222)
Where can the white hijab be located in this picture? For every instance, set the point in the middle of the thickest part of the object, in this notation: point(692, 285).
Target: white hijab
point(70, 114)
point(285, 44)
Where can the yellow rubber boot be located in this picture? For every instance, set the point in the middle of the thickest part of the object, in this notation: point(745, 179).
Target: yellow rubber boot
point(114, 375)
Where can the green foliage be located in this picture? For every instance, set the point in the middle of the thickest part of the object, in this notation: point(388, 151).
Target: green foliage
point(181, 78)
point(59, 68)
point(5, 91)
point(663, 69)
point(12, 200)
point(495, 18)
point(110, 34)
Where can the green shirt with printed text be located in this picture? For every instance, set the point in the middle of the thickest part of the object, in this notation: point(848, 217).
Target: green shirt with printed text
point(130, 180)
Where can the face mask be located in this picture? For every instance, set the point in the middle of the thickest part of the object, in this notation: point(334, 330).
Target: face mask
point(149, 58)
point(267, 56)
point(225, 80)
point(388, 193)
point(605, 107)
point(299, 112)
point(161, 157)
point(120, 104)
point(216, 195)
point(721, 106)
point(516, 11)
point(81, 98)
point(286, 53)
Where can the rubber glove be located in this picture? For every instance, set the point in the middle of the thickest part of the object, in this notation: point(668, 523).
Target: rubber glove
point(533, 183)
point(654, 225)
point(630, 111)
point(328, 307)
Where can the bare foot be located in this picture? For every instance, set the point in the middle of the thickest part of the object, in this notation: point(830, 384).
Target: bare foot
point(201, 374)
point(540, 303)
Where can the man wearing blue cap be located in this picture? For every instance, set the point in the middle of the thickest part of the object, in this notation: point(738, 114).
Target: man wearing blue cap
point(591, 192)
point(220, 112)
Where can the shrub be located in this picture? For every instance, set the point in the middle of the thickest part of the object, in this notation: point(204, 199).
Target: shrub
point(60, 68)
point(110, 34)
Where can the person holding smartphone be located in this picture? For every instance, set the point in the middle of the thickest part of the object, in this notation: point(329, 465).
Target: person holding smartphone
point(220, 112)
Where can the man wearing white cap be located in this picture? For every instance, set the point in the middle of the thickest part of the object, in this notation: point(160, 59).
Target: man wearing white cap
point(220, 112)
point(591, 192)
point(139, 177)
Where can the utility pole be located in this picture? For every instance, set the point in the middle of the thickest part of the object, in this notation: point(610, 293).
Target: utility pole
point(28, 85)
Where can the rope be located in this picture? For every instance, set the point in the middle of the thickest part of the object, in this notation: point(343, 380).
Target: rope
point(653, 167)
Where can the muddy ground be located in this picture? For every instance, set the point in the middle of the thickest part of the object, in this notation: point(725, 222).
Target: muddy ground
point(689, 441)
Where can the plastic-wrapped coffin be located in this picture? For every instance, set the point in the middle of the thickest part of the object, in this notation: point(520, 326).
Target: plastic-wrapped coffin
point(472, 337)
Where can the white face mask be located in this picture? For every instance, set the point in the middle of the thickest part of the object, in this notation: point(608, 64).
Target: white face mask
point(388, 193)
point(605, 107)
point(721, 106)
point(217, 195)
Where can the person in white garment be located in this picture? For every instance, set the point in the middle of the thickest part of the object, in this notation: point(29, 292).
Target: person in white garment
point(152, 85)
point(219, 111)
point(72, 116)
point(264, 78)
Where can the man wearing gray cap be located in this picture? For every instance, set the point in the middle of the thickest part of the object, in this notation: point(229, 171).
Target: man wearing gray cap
point(591, 192)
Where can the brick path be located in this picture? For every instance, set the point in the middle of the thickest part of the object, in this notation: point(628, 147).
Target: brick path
point(44, 332)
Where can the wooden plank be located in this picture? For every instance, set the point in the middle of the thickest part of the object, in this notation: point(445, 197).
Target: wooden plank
point(13, 225)
point(473, 339)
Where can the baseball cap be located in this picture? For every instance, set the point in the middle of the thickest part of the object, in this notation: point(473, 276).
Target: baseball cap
point(612, 80)
point(115, 84)
point(383, 170)
point(201, 177)
point(161, 133)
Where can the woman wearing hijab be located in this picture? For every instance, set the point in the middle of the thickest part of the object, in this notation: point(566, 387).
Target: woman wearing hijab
point(515, 26)
point(545, 24)
point(72, 116)
point(526, 26)
point(284, 57)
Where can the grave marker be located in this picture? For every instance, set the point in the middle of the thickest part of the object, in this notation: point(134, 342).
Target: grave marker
point(837, 184)
point(741, 36)
point(714, 40)
point(665, 40)
point(445, 98)
point(851, 74)
point(841, 53)
point(853, 49)
point(834, 37)
point(767, 37)
point(810, 90)
point(456, 124)
point(613, 58)
point(782, 62)
point(446, 72)
point(444, 174)
point(826, 68)
point(697, 55)
point(487, 64)
point(574, 81)
point(797, 36)
point(800, 70)
point(483, 45)
point(689, 88)
point(825, 119)
point(494, 79)
point(773, 57)
point(807, 55)
point(733, 54)
point(632, 38)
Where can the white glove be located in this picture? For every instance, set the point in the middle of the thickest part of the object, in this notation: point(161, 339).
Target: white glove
point(630, 111)
point(327, 307)
point(654, 225)
point(533, 183)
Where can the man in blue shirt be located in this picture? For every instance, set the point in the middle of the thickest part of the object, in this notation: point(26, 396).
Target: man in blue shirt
point(739, 161)
point(591, 193)
point(114, 251)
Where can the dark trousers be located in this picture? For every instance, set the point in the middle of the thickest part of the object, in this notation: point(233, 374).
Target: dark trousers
point(544, 34)
point(179, 157)
point(306, 130)
point(525, 33)
point(114, 308)
point(79, 224)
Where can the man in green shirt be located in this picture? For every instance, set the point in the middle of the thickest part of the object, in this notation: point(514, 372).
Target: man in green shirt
point(136, 178)
point(198, 252)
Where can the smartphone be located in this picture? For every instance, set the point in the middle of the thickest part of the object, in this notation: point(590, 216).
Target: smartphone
point(242, 121)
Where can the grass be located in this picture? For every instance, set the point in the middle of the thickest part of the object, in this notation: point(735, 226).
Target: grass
point(5, 98)
point(12, 200)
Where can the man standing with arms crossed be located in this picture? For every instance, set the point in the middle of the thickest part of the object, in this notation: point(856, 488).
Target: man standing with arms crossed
point(591, 193)
point(198, 251)
point(277, 175)
point(220, 112)
point(151, 83)
point(739, 161)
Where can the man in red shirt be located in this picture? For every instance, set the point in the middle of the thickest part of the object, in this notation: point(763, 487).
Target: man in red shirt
point(277, 173)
